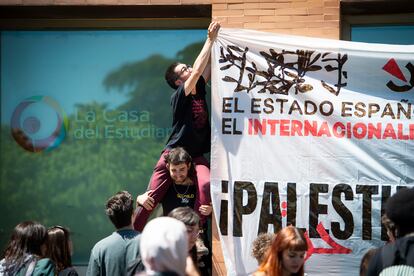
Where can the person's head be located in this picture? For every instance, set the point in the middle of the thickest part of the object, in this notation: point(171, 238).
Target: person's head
point(287, 253)
point(260, 245)
point(389, 226)
point(399, 209)
point(120, 208)
point(28, 237)
point(179, 164)
point(59, 247)
point(191, 221)
point(164, 246)
point(177, 73)
point(363, 267)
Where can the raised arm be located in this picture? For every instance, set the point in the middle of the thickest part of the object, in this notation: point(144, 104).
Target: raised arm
point(203, 59)
point(207, 71)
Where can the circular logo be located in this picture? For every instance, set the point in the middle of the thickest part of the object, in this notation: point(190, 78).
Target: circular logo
point(39, 124)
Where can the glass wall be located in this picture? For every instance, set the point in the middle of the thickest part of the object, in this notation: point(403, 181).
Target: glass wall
point(387, 34)
point(84, 114)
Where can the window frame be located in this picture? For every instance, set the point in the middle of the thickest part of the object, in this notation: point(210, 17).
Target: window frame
point(105, 17)
point(374, 13)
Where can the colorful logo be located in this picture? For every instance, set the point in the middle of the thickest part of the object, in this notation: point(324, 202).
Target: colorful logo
point(39, 124)
point(393, 69)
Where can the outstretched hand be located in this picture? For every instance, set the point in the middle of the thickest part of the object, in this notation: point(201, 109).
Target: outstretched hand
point(146, 201)
point(213, 30)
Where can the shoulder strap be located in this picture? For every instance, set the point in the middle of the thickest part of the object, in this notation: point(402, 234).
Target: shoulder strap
point(397, 253)
point(30, 268)
point(405, 251)
point(388, 255)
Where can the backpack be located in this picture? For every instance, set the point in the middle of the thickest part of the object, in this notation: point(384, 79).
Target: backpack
point(398, 258)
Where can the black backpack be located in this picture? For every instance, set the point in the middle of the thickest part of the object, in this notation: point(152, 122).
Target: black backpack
point(399, 253)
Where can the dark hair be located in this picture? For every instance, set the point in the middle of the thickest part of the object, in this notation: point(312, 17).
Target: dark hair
point(399, 209)
point(178, 156)
point(171, 76)
point(119, 209)
point(389, 226)
point(363, 267)
point(58, 247)
point(260, 245)
point(27, 238)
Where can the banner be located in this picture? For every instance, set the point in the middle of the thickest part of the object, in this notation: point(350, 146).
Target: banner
point(309, 132)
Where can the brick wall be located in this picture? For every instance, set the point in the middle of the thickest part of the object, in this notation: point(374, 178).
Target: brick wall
point(103, 2)
point(317, 18)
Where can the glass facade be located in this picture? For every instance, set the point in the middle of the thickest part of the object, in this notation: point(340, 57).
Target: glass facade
point(386, 34)
point(84, 114)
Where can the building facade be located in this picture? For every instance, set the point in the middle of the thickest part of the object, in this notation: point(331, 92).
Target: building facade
point(333, 19)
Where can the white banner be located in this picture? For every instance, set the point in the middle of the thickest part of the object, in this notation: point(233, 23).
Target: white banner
point(311, 132)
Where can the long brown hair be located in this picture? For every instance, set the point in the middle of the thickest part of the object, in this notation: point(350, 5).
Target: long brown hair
point(58, 248)
point(288, 238)
point(26, 238)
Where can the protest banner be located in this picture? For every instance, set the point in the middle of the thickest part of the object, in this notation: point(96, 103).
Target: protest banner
point(309, 132)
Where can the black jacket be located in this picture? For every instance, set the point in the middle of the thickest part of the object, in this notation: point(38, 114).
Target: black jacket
point(400, 252)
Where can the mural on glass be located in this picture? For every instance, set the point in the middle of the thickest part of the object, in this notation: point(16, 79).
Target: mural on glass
point(84, 114)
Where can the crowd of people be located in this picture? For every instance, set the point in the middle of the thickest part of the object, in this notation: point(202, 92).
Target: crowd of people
point(168, 245)
point(35, 250)
point(283, 253)
point(175, 244)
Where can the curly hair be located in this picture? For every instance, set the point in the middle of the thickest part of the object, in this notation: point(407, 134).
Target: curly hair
point(260, 245)
point(399, 209)
point(389, 226)
point(119, 209)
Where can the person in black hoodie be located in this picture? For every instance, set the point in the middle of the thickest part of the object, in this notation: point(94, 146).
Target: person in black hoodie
point(399, 254)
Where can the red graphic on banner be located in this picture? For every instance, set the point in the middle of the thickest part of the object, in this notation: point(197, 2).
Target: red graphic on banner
point(335, 247)
point(284, 207)
point(393, 68)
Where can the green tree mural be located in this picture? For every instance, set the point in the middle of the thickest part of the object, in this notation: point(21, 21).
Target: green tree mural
point(144, 82)
point(105, 150)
